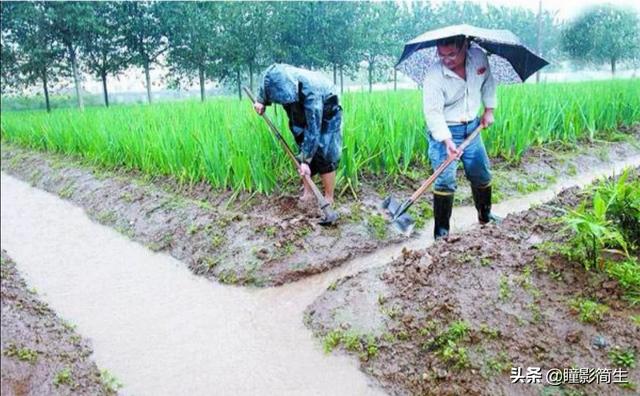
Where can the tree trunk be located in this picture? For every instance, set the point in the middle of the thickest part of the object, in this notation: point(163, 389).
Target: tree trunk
point(538, 39)
point(46, 91)
point(370, 76)
point(341, 81)
point(76, 79)
point(335, 76)
point(395, 79)
point(238, 80)
point(147, 77)
point(201, 75)
point(613, 66)
point(104, 89)
point(251, 76)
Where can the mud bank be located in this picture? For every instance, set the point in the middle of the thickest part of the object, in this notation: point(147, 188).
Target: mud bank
point(41, 353)
point(457, 317)
point(251, 239)
point(262, 241)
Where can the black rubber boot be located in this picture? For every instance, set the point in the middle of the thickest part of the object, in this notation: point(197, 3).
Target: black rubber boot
point(482, 200)
point(442, 205)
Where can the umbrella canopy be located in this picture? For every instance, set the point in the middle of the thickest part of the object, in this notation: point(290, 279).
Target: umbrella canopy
point(510, 60)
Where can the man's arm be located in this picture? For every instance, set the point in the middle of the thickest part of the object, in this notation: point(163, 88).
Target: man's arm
point(489, 97)
point(433, 107)
point(313, 116)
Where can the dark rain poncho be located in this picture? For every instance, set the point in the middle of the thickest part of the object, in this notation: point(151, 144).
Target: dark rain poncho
point(312, 106)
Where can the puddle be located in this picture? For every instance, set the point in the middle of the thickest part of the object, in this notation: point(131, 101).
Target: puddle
point(162, 330)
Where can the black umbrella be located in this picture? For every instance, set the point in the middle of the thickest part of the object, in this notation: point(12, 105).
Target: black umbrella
point(509, 59)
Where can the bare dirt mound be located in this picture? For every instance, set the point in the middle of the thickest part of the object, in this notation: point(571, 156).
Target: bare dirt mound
point(457, 317)
point(41, 353)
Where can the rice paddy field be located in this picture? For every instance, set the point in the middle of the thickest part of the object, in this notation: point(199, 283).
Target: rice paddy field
point(224, 143)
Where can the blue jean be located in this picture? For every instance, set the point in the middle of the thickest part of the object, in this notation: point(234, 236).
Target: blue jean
point(474, 159)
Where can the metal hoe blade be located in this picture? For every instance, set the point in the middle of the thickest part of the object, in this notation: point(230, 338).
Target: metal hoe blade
point(401, 221)
point(330, 216)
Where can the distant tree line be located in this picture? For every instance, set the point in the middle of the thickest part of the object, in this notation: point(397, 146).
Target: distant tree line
point(230, 42)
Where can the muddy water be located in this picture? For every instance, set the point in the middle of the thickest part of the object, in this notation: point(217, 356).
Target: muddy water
point(154, 325)
point(161, 330)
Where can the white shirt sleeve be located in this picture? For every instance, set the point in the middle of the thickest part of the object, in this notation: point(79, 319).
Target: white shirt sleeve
point(433, 106)
point(489, 97)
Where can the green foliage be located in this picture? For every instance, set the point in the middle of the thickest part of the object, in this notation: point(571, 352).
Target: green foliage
point(447, 345)
point(224, 144)
point(504, 291)
point(623, 357)
point(593, 232)
point(588, 310)
point(627, 273)
point(455, 332)
point(603, 34)
point(454, 354)
point(377, 225)
point(194, 40)
point(610, 226)
point(23, 354)
point(366, 346)
point(489, 331)
point(109, 381)
point(623, 205)
point(63, 377)
point(331, 340)
point(496, 365)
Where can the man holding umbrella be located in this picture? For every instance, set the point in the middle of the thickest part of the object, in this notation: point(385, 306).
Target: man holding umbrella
point(458, 79)
point(454, 90)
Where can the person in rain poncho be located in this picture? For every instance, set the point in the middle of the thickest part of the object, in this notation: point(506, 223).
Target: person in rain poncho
point(455, 87)
point(315, 119)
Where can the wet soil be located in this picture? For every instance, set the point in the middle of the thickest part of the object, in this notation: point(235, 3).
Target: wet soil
point(456, 317)
point(252, 239)
point(41, 353)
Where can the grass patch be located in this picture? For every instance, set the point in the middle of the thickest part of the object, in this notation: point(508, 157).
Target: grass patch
point(447, 347)
point(623, 357)
point(365, 345)
point(109, 381)
point(589, 311)
point(377, 226)
point(22, 354)
point(504, 290)
point(63, 377)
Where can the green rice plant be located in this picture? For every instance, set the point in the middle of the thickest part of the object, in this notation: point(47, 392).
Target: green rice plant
point(222, 141)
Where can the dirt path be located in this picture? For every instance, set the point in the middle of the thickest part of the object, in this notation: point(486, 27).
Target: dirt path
point(159, 328)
